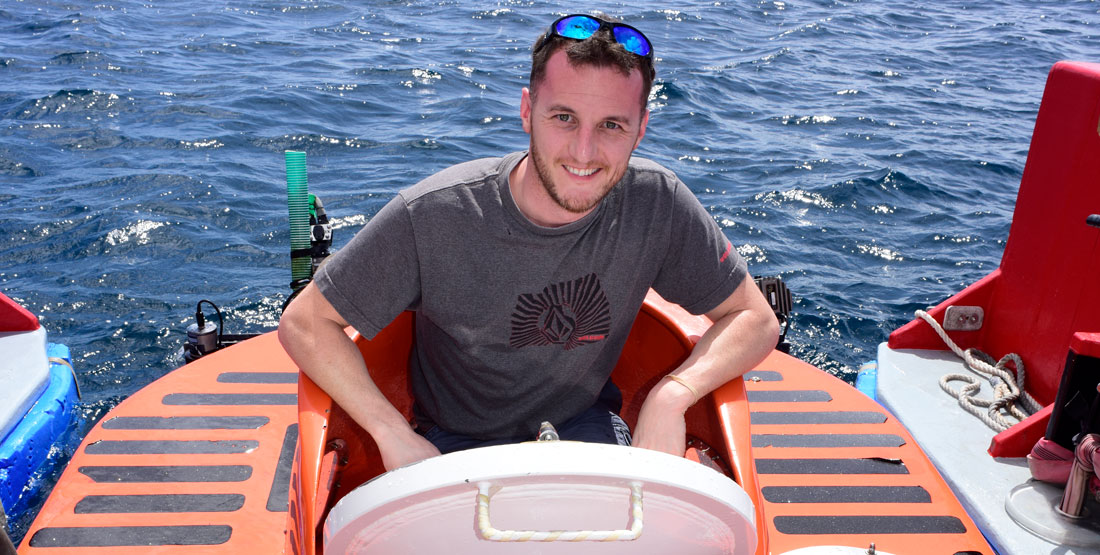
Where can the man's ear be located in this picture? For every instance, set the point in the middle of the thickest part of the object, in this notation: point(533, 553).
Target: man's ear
point(641, 128)
point(525, 109)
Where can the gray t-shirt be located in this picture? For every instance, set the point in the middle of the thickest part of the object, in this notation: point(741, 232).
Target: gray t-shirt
point(518, 323)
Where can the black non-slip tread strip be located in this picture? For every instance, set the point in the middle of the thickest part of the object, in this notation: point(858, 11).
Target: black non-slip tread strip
point(818, 417)
point(167, 473)
point(827, 440)
point(231, 399)
point(830, 466)
point(259, 377)
point(789, 396)
point(846, 494)
point(171, 447)
point(870, 524)
point(119, 536)
point(161, 503)
point(764, 376)
point(279, 496)
point(186, 422)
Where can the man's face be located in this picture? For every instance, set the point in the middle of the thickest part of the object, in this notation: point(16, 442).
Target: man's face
point(584, 123)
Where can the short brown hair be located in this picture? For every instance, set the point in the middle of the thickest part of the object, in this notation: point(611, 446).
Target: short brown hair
point(599, 50)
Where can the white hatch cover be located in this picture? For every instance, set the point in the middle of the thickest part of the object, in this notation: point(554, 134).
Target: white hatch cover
point(546, 497)
point(25, 373)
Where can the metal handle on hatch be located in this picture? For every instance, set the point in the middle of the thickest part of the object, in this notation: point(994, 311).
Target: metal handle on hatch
point(487, 532)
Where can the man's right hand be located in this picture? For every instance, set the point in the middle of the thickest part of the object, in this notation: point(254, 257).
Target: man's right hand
point(312, 332)
point(403, 447)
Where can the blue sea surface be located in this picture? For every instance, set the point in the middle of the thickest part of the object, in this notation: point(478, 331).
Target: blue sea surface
point(867, 152)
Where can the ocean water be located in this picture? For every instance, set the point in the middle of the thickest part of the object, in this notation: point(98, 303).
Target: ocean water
point(867, 152)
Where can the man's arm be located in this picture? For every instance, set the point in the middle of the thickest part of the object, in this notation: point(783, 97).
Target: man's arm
point(312, 332)
point(744, 332)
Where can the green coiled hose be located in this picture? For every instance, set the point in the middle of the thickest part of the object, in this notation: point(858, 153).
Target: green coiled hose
point(299, 205)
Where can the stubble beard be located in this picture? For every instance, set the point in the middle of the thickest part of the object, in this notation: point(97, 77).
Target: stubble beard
point(572, 206)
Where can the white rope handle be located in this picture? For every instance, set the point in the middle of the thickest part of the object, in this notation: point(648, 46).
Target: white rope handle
point(1007, 389)
point(487, 532)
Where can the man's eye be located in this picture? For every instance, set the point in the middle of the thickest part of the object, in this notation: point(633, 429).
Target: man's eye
point(610, 125)
point(564, 117)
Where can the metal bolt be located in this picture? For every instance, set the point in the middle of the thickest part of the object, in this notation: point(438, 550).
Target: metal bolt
point(547, 432)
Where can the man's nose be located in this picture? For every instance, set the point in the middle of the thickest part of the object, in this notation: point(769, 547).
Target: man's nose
point(584, 145)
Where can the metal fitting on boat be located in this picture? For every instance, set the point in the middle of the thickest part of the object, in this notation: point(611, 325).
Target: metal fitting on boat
point(547, 432)
point(200, 341)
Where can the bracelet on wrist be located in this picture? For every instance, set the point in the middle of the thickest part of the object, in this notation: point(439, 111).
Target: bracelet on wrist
point(683, 382)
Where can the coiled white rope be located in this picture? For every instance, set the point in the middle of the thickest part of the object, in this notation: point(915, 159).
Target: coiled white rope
point(485, 528)
point(1007, 389)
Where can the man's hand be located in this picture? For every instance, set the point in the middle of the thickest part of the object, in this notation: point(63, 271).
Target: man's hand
point(661, 425)
point(312, 332)
point(744, 332)
point(402, 447)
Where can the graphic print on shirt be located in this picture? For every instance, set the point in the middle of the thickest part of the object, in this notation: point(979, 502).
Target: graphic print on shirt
point(570, 313)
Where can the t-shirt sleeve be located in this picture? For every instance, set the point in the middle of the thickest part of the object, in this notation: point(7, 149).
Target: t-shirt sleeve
point(701, 268)
point(376, 276)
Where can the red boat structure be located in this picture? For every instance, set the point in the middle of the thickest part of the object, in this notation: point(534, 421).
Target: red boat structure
point(1042, 304)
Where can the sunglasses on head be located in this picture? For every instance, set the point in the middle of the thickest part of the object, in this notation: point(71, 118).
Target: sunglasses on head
point(580, 27)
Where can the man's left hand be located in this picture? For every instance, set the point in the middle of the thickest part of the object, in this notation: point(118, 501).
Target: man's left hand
point(661, 425)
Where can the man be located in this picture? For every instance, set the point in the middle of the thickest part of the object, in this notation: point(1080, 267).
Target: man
point(526, 273)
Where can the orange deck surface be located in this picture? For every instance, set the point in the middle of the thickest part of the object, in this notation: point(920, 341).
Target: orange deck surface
point(857, 481)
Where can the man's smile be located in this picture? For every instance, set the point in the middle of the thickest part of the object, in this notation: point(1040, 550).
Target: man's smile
point(581, 172)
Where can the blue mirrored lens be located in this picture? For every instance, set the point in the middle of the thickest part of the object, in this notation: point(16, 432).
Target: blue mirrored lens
point(632, 40)
point(578, 27)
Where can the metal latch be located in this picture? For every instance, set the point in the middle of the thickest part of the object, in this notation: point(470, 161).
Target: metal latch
point(963, 318)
